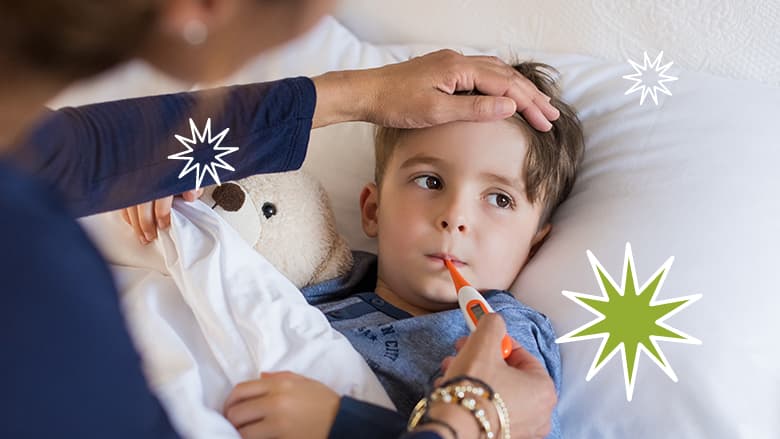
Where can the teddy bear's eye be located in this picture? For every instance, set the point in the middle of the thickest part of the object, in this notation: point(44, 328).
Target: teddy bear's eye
point(269, 209)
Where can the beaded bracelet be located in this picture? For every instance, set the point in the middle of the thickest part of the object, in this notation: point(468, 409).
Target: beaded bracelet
point(461, 378)
point(466, 396)
point(501, 409)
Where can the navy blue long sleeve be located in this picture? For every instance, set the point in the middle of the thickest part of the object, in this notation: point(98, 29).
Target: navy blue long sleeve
point(115, 154)
point(69, 368)
point(359, 419)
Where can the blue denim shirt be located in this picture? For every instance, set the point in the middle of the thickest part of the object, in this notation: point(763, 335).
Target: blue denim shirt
point(406, 351)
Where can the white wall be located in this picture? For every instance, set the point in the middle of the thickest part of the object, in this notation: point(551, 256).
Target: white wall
point(731, 38)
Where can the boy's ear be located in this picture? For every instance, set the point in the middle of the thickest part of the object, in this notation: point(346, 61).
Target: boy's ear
point(539, 239)
point(369, 204)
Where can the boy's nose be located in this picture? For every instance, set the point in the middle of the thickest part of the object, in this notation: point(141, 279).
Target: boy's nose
point(454, 213)
point(460, 226)
point(453, 219)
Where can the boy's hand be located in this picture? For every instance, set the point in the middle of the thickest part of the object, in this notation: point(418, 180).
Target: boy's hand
point(146, 217)
point(282, 405)
point(420, 93)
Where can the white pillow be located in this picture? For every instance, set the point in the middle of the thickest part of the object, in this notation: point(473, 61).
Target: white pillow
point(694, 177)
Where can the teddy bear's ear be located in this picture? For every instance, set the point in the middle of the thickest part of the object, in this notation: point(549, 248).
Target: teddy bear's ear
point(229, 196)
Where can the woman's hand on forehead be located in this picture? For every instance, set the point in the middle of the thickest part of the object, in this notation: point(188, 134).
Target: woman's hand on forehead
point(421, 92)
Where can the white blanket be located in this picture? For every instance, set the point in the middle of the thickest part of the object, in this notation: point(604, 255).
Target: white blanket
point(206, 311)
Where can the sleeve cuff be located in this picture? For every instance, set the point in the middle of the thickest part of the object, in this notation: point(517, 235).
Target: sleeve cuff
point(361, 419)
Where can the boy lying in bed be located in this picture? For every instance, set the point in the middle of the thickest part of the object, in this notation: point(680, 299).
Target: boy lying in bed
point(480, 194)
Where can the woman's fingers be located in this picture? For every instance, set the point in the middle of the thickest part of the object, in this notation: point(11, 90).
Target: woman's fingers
point(534, 105)
point(497, 80)
point(126, 216)
point(135, 223)
point(141, 219)
point(146, 220)
point(548, 109)
point(162, 211)
point(192, 195)
point(536, 118)
point(521, 359)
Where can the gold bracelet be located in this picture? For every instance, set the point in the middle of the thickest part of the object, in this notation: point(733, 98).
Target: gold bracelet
point(465, 395)
point(487, 392)
point(503, 416)
point(420, 409)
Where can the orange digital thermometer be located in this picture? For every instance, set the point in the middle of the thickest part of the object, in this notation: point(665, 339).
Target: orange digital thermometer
point(474, 306)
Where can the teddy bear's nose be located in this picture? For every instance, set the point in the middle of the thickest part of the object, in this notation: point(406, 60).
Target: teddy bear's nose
point(229, 196)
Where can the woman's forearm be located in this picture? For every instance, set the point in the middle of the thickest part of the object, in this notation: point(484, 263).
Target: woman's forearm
point(342, 96)
point(116, 154)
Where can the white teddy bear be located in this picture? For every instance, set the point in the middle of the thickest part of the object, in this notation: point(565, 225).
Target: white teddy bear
point(287, 218)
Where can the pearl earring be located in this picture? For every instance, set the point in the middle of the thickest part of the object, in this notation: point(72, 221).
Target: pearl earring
point(195, 32)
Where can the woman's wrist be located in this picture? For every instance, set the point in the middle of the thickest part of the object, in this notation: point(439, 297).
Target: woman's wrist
point(342, 96)
point(456, 417)
point(462, 406)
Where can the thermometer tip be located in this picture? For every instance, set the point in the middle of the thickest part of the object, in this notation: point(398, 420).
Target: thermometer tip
point(457, 279)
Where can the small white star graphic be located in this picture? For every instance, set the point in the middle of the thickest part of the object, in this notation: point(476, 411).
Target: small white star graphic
point(204, 137)
point(659, 85)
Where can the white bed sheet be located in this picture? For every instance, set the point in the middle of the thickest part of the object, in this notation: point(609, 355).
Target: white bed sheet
point(206, 312)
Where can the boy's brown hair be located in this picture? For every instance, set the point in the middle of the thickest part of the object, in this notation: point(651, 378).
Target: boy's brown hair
point(552, 158)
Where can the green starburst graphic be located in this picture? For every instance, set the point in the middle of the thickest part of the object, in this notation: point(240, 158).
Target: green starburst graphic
point(629, 319)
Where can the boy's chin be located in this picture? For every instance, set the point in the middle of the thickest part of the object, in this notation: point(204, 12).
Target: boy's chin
point(442, 301)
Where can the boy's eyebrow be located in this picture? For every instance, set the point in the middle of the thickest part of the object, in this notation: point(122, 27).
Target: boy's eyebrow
point(516, 183)
point(421, 159)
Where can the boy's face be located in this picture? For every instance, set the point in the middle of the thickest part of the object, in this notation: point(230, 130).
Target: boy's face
point(454, 190)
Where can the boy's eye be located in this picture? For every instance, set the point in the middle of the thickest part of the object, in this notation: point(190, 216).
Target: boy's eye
point(500, 200)
point(428, 182)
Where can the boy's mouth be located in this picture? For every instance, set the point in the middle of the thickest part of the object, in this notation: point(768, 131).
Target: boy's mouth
point(443, 256)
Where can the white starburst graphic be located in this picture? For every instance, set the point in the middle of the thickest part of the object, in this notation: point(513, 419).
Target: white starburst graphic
point(657, 76)
point(204, 137)
point(630, 320)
